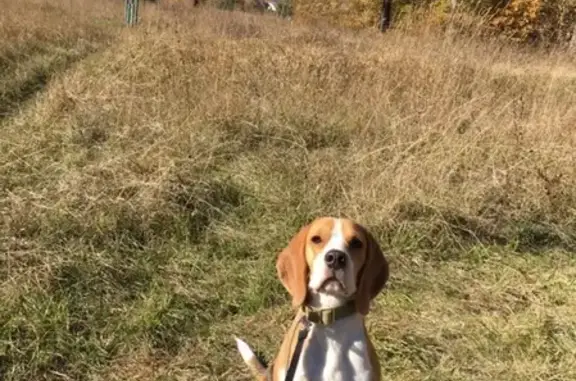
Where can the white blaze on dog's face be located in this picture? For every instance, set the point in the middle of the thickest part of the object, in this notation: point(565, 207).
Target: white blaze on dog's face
point(335, 254)
point(331, 261)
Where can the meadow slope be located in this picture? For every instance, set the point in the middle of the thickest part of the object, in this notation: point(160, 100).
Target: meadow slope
point(149, 177)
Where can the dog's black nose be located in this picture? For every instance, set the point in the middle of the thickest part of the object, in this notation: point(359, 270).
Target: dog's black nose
point(335, 259)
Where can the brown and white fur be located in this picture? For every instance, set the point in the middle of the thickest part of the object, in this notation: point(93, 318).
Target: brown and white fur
point(341, 351)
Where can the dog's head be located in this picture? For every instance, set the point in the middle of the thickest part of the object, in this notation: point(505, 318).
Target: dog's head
point(331, 261)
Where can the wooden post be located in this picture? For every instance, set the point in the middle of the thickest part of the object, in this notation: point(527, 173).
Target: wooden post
point(386, 15)
point(131, 12)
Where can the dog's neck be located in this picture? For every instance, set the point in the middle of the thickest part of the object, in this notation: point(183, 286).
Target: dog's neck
point(323, 301)
point(337, 351)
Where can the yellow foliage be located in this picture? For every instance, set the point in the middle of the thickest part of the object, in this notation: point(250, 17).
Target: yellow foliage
point(519, 18)
point(537, 19)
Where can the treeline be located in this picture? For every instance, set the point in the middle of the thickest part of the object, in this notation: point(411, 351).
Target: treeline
point(520, 20)
point(550, 21)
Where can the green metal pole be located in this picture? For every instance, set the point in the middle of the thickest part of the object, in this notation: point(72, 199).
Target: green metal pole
point(131, 12)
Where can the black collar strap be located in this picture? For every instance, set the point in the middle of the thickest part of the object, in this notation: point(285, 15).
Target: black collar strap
point(329, 316)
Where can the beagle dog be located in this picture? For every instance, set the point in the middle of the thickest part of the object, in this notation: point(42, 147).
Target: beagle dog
point(332, 269)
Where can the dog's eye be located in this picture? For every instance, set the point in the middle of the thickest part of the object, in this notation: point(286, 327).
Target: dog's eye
point(355, 243)
point(316, 239)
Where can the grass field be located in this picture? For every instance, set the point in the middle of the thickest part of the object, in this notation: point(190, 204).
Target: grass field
point(150, 176)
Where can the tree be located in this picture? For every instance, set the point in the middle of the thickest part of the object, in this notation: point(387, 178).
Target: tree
point(386, 15)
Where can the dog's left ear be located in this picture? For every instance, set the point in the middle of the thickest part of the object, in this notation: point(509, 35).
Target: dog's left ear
point(373, 276)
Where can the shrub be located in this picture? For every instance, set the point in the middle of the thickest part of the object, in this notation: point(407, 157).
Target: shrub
point(537, 20)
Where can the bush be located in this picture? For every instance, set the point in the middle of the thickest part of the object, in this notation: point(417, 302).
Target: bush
point(537, 20)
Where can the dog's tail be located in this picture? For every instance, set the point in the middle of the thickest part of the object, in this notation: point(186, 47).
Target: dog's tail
point(255, 365)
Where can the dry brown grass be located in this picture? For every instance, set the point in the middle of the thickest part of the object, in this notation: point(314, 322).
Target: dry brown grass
point(41, 38)
point(353, 14)
point(146, 190)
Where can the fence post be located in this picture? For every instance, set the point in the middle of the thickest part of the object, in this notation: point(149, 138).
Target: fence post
point(131, 12)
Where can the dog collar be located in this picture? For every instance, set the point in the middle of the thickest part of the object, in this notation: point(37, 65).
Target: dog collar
point(329, 315)
point(323, 317)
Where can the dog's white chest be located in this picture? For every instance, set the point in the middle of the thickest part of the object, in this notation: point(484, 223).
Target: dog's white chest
point(337, 353)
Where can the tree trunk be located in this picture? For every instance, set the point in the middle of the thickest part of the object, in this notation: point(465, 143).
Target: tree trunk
point(386, 15)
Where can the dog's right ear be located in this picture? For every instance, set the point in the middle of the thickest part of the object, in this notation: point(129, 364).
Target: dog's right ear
point(293, 269)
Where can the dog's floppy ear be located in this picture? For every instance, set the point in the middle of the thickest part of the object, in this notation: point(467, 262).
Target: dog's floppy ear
point(373, 276)
point(292, 267)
